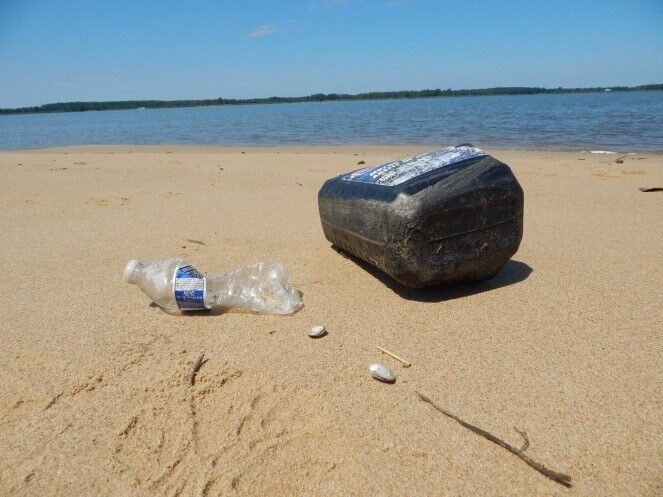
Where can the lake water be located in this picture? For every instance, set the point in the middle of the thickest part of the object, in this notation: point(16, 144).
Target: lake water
point(607, 121)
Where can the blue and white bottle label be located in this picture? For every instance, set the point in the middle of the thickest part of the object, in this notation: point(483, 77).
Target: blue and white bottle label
point(397, 172)
point(189, 287)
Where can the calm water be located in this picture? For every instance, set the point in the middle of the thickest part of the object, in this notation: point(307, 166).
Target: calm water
point(606, 121)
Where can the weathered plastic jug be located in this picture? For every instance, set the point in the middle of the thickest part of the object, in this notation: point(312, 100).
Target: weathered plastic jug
point(450, 215)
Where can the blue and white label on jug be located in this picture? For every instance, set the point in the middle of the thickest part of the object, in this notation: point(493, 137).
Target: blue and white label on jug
point(189, 287)
point(397, 172)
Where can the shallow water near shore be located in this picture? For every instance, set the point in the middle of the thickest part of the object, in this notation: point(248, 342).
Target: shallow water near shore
point(630, 121)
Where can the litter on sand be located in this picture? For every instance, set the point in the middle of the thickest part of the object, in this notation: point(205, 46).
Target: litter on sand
point(445, 251)
point(406, 364)
point(446, 216)
point(175, 286)
point(197, 242)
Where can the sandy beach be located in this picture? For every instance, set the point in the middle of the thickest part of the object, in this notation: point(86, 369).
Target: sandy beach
point(564, 344)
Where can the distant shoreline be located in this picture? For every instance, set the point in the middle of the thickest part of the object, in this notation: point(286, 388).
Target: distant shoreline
point(366, 149)
point(318, 97)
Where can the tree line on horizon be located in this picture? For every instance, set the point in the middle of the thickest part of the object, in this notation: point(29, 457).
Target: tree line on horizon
point(317, 97)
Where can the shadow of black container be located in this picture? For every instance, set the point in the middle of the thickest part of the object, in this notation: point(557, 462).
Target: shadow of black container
point(513, 272)
point(453, 215)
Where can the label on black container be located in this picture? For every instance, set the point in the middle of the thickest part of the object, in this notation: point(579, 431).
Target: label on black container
point(189, 288)
point(397, 172)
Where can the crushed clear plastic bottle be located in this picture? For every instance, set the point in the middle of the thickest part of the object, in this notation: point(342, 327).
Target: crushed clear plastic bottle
point(177, 286)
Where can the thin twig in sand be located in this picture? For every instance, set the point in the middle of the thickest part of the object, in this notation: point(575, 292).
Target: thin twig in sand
point(196, 367)
point(406, 364)
point(560, 478)
point(525, 439)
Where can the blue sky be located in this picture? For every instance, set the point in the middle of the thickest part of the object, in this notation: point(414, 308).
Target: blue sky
point(64, 50)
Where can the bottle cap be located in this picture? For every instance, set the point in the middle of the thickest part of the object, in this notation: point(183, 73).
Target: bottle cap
point(129, 270)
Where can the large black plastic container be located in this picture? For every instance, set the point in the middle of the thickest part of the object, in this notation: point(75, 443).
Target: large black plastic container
point(445, 216)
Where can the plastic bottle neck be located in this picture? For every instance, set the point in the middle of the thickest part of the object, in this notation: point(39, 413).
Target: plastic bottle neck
point(130, 273)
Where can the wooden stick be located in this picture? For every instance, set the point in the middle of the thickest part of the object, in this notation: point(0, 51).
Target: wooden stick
point(196, 367)
point(406, 364)
point(561, 478)
point(525, 439)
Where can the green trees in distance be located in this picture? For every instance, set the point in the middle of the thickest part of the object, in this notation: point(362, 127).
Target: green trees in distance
point(317, 97)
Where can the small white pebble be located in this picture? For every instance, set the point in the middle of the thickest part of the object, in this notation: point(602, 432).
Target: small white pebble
point(382, 373)
point(317, 331)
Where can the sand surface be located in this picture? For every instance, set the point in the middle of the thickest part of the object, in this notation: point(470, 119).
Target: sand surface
point(565, 343)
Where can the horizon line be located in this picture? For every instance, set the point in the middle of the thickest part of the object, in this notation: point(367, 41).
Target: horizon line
point(92, 105)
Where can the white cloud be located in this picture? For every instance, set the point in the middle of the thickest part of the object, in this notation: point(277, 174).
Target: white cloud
point(262, 31)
